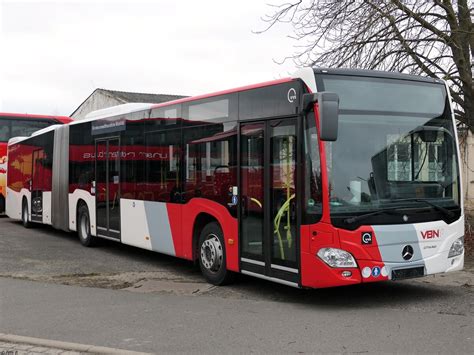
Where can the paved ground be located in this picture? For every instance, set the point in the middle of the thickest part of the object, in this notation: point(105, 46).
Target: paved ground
point(28, 349)
point(164, 304)
point(169, 323)
point(18, 345)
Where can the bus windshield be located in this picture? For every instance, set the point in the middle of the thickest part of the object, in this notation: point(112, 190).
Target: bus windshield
point(13, 127)
point(396, 147)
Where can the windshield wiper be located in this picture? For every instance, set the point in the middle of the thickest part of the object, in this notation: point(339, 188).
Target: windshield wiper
point(393, 210)
point(396, 210)
point(444, 211)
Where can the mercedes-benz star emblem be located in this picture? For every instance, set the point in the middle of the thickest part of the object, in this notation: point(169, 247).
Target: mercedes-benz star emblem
point(407, 252)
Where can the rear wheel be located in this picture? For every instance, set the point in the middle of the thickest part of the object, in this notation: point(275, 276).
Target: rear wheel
point(2, 204)
point(84, 227)
point(24, 215)
point(212, 259)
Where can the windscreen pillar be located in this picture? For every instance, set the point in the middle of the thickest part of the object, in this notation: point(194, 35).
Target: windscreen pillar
point(60, 185)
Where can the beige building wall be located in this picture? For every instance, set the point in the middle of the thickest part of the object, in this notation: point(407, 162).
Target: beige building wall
point(98, 100)
point(467, 155)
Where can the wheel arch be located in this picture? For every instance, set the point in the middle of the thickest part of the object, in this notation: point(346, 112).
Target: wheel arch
point(196, 214)
point(75, 198)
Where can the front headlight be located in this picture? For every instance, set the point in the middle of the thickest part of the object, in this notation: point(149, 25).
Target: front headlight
point(457, 248)
point(336, 257)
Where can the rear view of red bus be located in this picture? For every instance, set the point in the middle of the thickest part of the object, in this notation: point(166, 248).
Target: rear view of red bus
point(14, 125)
point(331, 177)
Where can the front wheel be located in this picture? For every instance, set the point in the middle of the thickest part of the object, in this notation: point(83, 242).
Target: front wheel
point(84, 227)
point(212, 258)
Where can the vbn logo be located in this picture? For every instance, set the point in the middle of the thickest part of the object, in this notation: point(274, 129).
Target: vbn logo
point(430, 234)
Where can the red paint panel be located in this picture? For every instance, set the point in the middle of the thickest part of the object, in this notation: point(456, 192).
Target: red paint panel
point(319, 275)
point(365, 254)
point(19, 166)
point(182, 228)
point(352, 242)
point(174, 215)
point(314, 272)
point(3, 168)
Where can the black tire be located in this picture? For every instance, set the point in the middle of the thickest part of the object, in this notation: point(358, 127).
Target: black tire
point(84, 227)
point(2, 204)
point(24, 215)
point(212, 258)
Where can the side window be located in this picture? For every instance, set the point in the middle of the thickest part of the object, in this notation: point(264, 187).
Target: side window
point(210, 162)
point(47, 163)
point(218, 109)
point(81, 157)
point(4, 130)
point(26, 127)
point(312, 166)
point(162, 165)
point(132, 153)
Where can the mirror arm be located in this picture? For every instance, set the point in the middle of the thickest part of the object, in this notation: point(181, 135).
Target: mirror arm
point(308, 101)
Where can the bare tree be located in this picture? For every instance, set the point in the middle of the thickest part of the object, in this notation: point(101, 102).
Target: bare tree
point(433, 38)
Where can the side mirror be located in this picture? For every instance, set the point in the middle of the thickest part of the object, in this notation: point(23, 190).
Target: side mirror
point(328, 103)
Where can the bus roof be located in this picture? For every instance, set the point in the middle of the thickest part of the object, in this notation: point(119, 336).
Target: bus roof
point(137, 107)
point(224, 92)
point(118, 110)
point(376, 74)
point(63, 119)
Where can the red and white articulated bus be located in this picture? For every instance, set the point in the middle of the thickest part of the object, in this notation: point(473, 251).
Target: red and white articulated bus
point(330, 177)
point(17, 124)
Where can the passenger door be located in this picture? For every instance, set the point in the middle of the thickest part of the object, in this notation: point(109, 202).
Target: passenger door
point(107, 180)
point(268, 184)
point(36, 185)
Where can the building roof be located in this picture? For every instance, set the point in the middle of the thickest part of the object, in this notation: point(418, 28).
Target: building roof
point(141, 97)
point(127, 97)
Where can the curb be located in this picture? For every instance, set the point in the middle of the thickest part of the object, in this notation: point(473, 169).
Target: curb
point(11, 338)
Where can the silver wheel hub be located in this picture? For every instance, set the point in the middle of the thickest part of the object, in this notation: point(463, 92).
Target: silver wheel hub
point(211, 253)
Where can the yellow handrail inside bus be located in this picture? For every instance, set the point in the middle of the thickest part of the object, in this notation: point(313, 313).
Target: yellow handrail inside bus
point(285, 208)
point(256, 201)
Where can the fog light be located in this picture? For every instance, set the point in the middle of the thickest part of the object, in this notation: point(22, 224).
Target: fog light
point(346, 274)
point(457, 248)
point(366, 272)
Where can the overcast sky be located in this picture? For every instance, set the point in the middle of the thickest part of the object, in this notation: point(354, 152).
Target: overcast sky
point(54, 54)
